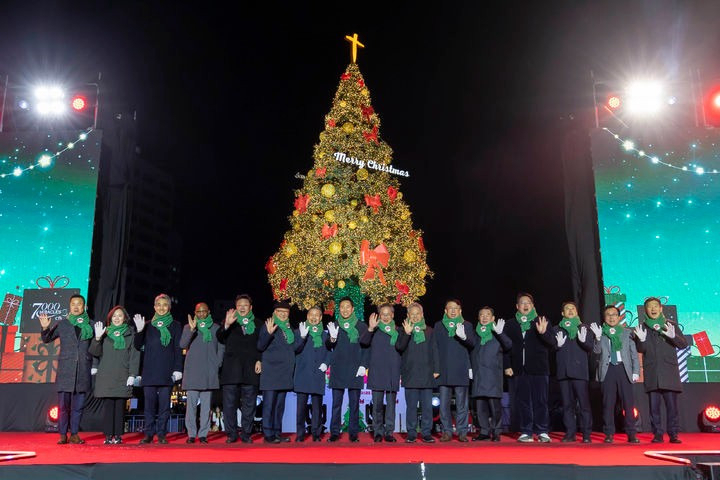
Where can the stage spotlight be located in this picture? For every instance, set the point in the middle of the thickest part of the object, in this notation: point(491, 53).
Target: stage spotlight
point(711, 107)
point(78, 103)
point(51, 420)
point(23, 104)
point(711, 419)
point(614, 102)
point(644, 98)
point(435, 401)
point(49, 101)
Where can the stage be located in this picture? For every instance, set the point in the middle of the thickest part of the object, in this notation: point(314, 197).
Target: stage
point(342, 460)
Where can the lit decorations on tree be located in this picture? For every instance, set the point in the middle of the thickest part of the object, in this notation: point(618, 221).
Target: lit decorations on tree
point(351, 231)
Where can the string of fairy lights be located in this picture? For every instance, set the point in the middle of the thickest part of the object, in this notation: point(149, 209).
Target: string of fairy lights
point(46, 159)
point(630, 147)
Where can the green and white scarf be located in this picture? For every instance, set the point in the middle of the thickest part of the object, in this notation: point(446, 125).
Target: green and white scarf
point(284, 325)
point(525, 321)
point(656, 324)
point(117, 335)
point(204, 327)
point(162, 322)
point(82, 321)
point(315, 332)
point(350, 326)
point(390, 330)
point(570, 325)
point(248, 322)
point(615, 336)
point(452, 323)
point(485, 332)
point(418, 331)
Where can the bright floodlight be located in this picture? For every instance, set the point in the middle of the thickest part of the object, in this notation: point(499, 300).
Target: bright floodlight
point(49, 100)
point(644, 98)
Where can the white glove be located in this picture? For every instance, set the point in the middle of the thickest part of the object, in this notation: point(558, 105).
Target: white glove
point(641, 333)
point(460, 331)
point(139, 322)
point(499, 326)
point(597, 331)
point(93, 371)
point(582, 334)
point(303, 329)
point(322, 368)
point(560, 338)
point(138, 381)
point(99, 330)
point(636, 377)
point(360, 372)
point(130, 381)
point(470, 373)
point(670, 330)
point(176, 376)
point(333, 330)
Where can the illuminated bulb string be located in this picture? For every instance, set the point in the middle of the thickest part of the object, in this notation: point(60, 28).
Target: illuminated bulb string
point(629, 146)
point(46, 159)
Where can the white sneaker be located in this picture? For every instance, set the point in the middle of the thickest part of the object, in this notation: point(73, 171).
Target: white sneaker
point(525, 438)
point(544, 438)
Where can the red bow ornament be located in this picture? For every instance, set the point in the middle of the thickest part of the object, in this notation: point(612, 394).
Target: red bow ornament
point(329, 231)
point(374, 259)
point(373, 201)
point(403, 289)
point(372, 136)
point(367, 112)
point(392, 193)
point(301, 203)
point(271, 266)
point(320, 172)
point(345, 76)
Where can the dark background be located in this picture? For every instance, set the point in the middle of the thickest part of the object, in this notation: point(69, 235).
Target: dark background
point(474, 98)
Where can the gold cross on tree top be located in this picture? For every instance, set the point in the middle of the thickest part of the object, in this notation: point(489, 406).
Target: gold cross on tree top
point(355, 44)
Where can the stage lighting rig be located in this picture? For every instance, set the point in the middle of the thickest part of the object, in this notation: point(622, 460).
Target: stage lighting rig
point(710, 419)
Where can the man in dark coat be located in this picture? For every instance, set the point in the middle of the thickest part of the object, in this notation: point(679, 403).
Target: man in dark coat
point(162, 366)
point(241, 367)
point(454, 338)
point(573, 347)
point(418, 370)
point(347, 368)
point(202, 364)
point(658, 343)
point(311, 363)
point(73, 380)
point(487, 366)
point(385, 342)
point(528, 366)
point(277, 342)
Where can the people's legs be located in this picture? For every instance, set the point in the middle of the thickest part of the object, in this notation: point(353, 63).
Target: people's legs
point(482, 407)
point(248, 402)
point(580, 389)
point(390, 400)
point(609, 389)
point(118, 416)
point(377, 400)
point(354, 407)
point(163, 410)
point(150, 410)
point(315, 420)
point(336, 419)
point(426, 411)
point(278, 412)
point(673, 415)
point(523, 399)
point(540, 413)
point(191, 413)
point(461, 411)
point(108, 416)
point(78, 405)
point(301, 413)
point(568, 407)
point(412, 396)
point(628, 403)
point(229, 409)
point(205, 398)
point(268, 412)
point(513, 384)
point(655, 412)
point(64, 405)
point(495, 416)
point(445, 410)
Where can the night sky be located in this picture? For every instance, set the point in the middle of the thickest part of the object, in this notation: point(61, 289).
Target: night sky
point(473, 99)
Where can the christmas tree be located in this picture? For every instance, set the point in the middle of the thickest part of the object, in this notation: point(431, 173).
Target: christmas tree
point(351, 232)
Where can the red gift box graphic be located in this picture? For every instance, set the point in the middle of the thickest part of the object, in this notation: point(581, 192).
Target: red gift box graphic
point(702, 342)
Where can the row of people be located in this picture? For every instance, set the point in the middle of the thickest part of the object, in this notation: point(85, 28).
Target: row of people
point(244, 355)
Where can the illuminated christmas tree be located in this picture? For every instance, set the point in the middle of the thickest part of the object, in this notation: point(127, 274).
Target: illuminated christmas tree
point(351, 232)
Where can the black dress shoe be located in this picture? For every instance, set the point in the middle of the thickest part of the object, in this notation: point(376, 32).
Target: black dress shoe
point(300, 438)
point(190, 440)
point(147, 439)
point(245, 439)
point(657, 438)
point(354, 438)
point(586, 439)
point(272, 440)
point(63, 440)
point(675, 439)
point(410, 439)
point(231, 439)
point(633, 439)
point(481, 437)
point(162, 440)
point(281, 439)
point(496, 437)
point(462, 438)
point(333, 438)
point(608, 439)
point(316, 438)
point(75, 439)
point(377, 438)
point(203, 440)
point(390, 439)
point(108, 440)
point(568, 439)
point(117, 440)
point(428, 439)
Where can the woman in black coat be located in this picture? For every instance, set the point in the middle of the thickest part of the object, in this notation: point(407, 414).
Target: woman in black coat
point(119, 362)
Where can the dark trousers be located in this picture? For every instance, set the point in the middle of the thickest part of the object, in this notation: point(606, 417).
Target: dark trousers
point(273, 411)
point(244, 397)
point(489, 415)
point(461, 409)
point(113, 416)
point(353, 408)
point(302, 408)
point(529, 403)
point(157, 403)
point(574, 394)
point(413, 396)
point(383, 415)
point(671, 409)
point(616, 384)
point(71, 405)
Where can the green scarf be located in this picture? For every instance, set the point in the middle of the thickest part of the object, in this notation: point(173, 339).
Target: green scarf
point(315, 332)
point(284, 325)
point(81, 321)
point(484, 332)
point(204, 327)
point(525, 321)
point(655, 324)
point(162, 323)
point(117, 335)
point(390, 330)
point(247, 322)
point(350, 326)
point(452, 323)
point(418, 331)
point(570, 325)
point(615, 336)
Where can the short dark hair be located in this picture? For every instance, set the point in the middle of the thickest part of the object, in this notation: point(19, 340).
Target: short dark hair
point(492, 310)
point(244, 296)
point(524, 294)
point(455, 300)
point(651, 299)
point(343, 299)
point(569, 302)
point(77, 295)
point(608, 307)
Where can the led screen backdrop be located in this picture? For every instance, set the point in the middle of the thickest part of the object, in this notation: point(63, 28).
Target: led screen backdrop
point(658, 203)
point(47, 207)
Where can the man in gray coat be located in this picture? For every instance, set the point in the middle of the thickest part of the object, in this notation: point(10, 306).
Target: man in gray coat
point(202, 365)
point(618, 369)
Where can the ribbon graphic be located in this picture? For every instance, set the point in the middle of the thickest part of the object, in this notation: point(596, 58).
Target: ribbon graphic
point(60, 281)
point(374, 259)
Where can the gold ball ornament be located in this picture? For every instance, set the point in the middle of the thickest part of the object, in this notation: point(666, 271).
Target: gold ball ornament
point(341, 284)
point(322, 136)
point(364, 218)
point(330, 215)
point(348, 127)
point(320, 272)
point(352, 225)
point(296, 213)
point(353, 203)
point(364, 92)
point(343, 103)
point(335, 247)
point(399, 195)
point(409, 256)
point(327, 190)
point(404, 215)
point(362, 174)
point(290, 250)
